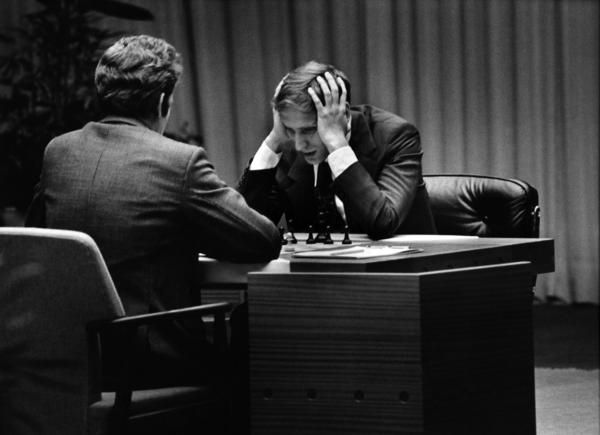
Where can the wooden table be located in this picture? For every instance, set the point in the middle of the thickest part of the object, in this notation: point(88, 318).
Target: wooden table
point(439, 252)
point(434, 342)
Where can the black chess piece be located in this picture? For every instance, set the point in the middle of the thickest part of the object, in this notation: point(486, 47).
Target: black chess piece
point(325, 210)
point(346, 240)
point(292, 236)
point(311, 238)
point(282, 234)
point(328, 240)
point(320, 237)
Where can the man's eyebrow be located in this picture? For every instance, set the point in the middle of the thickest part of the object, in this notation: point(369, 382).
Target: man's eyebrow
point(307, 127)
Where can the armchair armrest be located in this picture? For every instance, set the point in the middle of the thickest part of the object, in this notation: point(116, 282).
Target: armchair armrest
point(127, 327)
point(216, 309)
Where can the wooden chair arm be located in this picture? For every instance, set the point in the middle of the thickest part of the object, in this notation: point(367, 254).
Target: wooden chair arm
point(127, 327)
point(216, 309)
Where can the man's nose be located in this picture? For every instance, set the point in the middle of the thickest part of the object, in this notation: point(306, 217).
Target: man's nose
point(300, 142)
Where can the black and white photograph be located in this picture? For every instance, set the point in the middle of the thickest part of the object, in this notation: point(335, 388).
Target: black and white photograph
point(299, 217)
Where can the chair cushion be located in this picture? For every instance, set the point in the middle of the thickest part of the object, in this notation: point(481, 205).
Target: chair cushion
point(483, 206)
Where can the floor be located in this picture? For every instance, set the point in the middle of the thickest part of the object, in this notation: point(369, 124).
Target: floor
point(566, 335)
point(566, 369)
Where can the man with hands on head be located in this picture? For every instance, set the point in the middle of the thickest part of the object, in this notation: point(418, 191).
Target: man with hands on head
point(372, 158)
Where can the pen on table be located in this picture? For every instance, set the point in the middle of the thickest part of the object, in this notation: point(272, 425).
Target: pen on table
point(352, 250)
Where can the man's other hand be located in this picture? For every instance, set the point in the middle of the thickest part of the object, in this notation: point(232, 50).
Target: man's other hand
point(332, 117)
point(277, 138)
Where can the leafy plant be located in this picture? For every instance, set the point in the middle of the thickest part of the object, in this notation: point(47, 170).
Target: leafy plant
point(47, 83)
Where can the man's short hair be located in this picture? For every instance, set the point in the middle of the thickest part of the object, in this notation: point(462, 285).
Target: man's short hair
point(293, 92)
point(133, 72)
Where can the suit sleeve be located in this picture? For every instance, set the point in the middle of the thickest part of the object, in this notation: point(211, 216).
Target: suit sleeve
point(380, 206)
point(224, 226)
point(262, 192)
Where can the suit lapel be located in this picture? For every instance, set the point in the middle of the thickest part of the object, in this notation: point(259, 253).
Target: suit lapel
point(299, 189)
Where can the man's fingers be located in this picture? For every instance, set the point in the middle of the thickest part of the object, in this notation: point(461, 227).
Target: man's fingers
point(333, 87)
point(325, 89)
point(334, 92)
point(344, 95)
point(315, 99)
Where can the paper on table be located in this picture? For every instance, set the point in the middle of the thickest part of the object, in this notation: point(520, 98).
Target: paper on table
point(426, 238)
point(357, 252)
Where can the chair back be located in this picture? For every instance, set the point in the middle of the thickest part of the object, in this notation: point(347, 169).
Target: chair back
point(483, 206)
point(52, 284)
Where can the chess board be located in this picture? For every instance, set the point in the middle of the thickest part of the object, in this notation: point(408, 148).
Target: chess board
point(289, 248)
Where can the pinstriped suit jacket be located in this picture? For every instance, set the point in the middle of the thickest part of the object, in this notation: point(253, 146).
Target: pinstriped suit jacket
point(151, 204)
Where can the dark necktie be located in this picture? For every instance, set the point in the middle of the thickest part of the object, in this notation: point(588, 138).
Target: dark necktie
point(327, 214)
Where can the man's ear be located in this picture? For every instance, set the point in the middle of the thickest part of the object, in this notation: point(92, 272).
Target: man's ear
point(164, 105)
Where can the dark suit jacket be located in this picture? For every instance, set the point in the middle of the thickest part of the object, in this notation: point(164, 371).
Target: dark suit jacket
point(151, 204)
point(383, 193)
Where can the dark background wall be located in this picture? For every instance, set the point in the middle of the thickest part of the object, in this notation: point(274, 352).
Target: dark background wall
point(499, 87)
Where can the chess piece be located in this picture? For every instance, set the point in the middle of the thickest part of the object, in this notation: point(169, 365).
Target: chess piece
point(346, 240)
point(282, 234)
point(328, 240)
point(291, 235)
point(326, 212)
point(320, 237)
point(311, 238)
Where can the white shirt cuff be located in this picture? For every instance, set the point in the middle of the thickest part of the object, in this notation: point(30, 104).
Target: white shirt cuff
point(264, 158)
point(340, 160)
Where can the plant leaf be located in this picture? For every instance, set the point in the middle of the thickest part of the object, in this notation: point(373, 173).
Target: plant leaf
point(6, 39)
point(121, 10)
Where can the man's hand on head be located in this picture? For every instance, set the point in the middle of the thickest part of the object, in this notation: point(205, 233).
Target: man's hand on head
point(332, 118)
point(277, 138)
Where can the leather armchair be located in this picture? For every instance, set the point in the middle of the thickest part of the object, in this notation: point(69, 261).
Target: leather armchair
point(483, 206)
point(56, 297)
